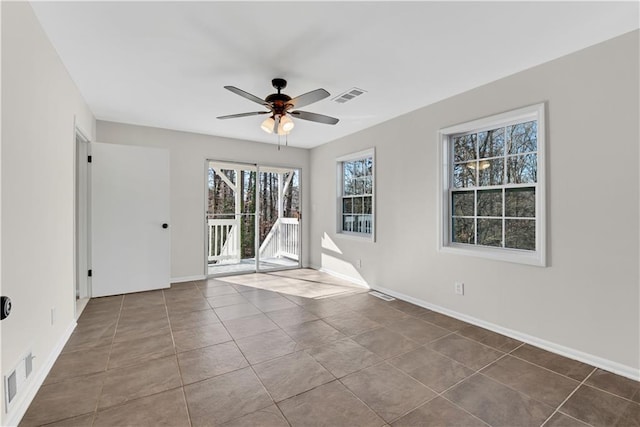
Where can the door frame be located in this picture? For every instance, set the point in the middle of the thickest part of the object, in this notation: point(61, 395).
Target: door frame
point(81, 221)
point(256, 167)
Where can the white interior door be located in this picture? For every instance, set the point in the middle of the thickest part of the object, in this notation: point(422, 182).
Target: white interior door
point(129, 208)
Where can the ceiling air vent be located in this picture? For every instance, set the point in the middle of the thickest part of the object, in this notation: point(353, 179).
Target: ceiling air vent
point(349, 95)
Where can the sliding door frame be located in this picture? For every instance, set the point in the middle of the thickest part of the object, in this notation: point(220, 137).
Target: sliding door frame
point(253, 167)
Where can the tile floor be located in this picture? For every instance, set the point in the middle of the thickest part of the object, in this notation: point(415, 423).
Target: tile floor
point(300, 348)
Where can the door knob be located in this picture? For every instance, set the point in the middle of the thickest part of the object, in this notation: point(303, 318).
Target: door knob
point(165, 225)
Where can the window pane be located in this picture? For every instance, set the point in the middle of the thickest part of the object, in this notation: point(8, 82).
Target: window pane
point(359, 167)
point(348, 222)
point(464, 175)
point(357, 205)
point(520, 202)
point(359, 186)
point(490, 232)
point(462, 203)
point(464, 148)
point(522, 169)
point(368, 185)
point(368, 163)
point(363, 224)
point(349, 188)
point(491, 143)
point(463, 230)
point(347, 205)
point(523, 137)
point(520, 234)
point(491, 172)
point(489, 203)
point(348, 171)
point(367, 205)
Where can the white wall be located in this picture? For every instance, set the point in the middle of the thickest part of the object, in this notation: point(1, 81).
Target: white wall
point(587, 300)
point(39, 106)
point(188, 152)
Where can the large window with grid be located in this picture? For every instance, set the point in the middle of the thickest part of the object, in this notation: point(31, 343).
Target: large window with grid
point(493, 187)
point(356, 194)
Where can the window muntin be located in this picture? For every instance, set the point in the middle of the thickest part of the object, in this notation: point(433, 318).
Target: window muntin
point(493, 187)
point(356, 193)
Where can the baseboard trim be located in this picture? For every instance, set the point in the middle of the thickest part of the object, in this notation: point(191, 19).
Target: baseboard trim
point(350, 279)
point(187, 279)
point(19, 410)
point(597, 361)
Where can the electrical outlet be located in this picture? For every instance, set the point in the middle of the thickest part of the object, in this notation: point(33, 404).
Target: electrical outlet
point(459, 288)
point(53, 316)
point(358, 263)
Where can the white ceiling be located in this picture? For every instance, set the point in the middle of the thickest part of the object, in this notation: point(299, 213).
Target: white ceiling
point(164, 64)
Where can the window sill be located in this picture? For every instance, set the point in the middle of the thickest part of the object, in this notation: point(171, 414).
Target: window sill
point(356, 236)
point(507, 255)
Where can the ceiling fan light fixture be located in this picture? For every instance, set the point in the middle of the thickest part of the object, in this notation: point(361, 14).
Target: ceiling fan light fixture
point(284, 127)
point(267, 125)
point(286, 124)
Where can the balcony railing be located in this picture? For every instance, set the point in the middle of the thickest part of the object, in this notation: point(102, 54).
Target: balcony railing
point(224, 240)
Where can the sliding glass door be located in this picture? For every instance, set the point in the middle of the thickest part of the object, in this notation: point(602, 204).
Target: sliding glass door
point(279, 218)
point(253, 218)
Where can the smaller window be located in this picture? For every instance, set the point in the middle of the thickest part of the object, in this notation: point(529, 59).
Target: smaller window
point(356, 194)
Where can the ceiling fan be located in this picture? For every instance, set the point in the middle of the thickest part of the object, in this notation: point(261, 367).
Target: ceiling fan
point(280, 108)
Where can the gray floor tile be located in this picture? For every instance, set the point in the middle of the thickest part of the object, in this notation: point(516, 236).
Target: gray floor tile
point(329, 405)
point(266, 346)
point(561, 420)
point(535, 382)
point(207, 362)
point(312, 334)
point(431, 368)
point(236, 311)
point(293, 374)
point(385, 343)
point(388, 391)
point(621, 386)
point(64, 399)
point(163, 409)
point(470, 353)
point(351, 323)
point(77, 363)
point(267, 417)
point(192, 319)
point(439, 412)
point(343, 357)
point(496, 404)
point(554, 362)
point(225, 397)
point(417, 330)
point(596, 407)
point(490, 338)
point(249, 326)
point(201, 336)
point(291, 316)
point(150, 377)
point(225, 300)
point(141, 350)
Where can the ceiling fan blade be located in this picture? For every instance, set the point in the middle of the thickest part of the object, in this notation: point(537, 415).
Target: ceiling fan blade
point(233, 116)
point(247, 95)
point(315, 117)
point(276, 123)
point(309, 98)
